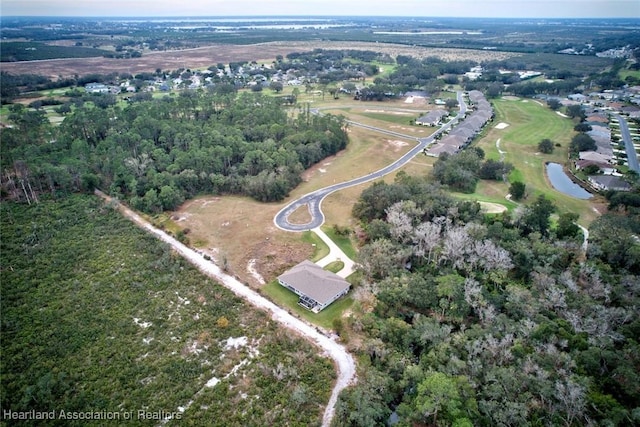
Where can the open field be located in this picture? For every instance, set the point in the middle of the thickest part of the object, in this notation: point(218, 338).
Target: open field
point(235, 230)
point(530, 122)
point(204, 57)
point(393, 116)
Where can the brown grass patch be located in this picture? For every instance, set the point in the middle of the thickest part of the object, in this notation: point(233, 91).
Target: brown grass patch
point(203, 57)
point(492, 208)
point(239, 229)
point(300, 215)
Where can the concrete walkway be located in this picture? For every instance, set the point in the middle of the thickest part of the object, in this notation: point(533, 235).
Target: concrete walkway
point(335, 254)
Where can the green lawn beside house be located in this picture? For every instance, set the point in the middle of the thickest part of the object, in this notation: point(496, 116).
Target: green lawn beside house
point(289, 300)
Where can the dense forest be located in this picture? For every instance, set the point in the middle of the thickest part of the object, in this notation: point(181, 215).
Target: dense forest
point(157, 153)
point(466, 319)
point(98, 315)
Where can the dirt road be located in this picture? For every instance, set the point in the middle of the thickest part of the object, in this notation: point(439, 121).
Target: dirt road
point(344, 361)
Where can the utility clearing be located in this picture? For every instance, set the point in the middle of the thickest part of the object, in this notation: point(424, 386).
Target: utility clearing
point(345, 363)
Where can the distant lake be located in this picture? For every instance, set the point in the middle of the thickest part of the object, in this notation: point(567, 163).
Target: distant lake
point(561, 182)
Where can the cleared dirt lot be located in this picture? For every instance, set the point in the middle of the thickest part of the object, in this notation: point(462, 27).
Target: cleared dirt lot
point(203, 57)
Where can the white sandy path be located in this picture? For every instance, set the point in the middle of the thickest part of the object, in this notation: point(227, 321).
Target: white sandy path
point(502, 153)
point(585, 242)
point(344, 361)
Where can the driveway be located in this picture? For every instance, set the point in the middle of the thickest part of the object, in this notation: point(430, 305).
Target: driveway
point(335, 254)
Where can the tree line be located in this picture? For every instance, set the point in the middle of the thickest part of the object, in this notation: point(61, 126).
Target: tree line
point(465, 319)
point(157, 153)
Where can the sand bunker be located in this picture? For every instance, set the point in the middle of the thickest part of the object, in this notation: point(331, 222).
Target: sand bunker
point(492, 208)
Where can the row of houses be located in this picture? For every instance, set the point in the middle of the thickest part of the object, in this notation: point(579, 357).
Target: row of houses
point(601, 160)
point(611, 100)
point(464, 132)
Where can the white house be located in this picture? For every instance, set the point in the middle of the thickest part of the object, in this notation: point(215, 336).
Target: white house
point(96, 88)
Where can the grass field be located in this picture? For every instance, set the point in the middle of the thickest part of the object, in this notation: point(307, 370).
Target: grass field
point(392, 115)
point(321, 249)
point(344, 242)
point(334, 266)
point(243, 228)
point(530, 122)
point(623, 74)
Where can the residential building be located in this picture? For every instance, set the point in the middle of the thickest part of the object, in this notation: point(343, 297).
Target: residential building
point(609, 182)
point(316, 287)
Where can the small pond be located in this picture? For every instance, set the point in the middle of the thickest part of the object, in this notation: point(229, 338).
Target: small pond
point(561, 182)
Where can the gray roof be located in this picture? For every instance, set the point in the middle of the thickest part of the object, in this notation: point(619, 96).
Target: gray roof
point(314, 282)
point(476, 95)
point(611, 182)
point(433, 116)
point(439, 148)
point(464, 131)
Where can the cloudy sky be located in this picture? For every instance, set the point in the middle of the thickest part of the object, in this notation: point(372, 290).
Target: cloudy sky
point(436, 8)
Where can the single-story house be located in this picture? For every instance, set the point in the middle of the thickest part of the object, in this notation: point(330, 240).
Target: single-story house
point(451, 144)
point(578, 97)
point(96, 88)
point(433, 118)
point(596, 157)
point(438, 148)
point(609, 182)
point(605, 168)
point(316, 287)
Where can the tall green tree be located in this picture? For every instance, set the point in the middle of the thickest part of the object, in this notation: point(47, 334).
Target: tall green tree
point(438, 395)
point(517, 190)
point(545, 146)
point(537, 217)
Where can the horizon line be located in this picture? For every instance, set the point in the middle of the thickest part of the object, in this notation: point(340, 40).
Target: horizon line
point(322, 16)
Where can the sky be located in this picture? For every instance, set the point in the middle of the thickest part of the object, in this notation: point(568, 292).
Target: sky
point(422, 8)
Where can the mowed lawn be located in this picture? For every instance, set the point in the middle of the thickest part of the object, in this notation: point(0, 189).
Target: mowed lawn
point(529, 122)
point(394, 116)
point(289, 300)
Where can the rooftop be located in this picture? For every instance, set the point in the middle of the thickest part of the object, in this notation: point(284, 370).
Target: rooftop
point(315, 282)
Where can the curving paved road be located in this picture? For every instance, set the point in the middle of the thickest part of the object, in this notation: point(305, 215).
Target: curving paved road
point(314, 199)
